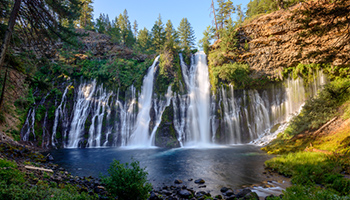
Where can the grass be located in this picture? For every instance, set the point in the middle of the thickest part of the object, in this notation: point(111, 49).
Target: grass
point(312, 173)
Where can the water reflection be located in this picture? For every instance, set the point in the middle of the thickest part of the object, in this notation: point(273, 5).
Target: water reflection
point(232, 166)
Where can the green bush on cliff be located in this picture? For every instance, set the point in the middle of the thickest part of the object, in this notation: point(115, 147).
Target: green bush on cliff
point(127, 181)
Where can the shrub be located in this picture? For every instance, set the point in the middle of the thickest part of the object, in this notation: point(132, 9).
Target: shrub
point(127, 181)
point(9, 172)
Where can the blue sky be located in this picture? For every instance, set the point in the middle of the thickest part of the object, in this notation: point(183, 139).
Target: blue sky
point(146, 12)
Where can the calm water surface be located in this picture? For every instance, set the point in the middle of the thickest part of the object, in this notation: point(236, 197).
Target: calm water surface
point(229, 166)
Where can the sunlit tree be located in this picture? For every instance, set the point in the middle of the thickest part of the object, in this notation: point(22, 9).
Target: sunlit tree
point(171, 36)
point(86, 18)
point(186, 35)
point(158, 34)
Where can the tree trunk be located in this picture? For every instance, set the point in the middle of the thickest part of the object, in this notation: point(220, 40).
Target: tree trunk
point(7, 39)
point(3, 90)
point(9, 31)
point(216, 24)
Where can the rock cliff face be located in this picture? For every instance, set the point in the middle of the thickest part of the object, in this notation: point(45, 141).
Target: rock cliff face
point(279, 40)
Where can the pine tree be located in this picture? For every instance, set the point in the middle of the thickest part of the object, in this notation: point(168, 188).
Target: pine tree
point(103, 25)
point(144, 44)
point(208, 35)
point(171, 36)
point(224, 12)
point(186, 35)
point(135, 28)
point(114, 32)
point(86, 17)
point(158, 34)
point(123, 23)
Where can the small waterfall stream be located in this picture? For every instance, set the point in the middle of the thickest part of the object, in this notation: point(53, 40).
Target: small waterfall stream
point(98, 117)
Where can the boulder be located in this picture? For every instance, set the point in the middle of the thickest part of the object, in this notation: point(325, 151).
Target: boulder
point(185, 194)
point(178, 181)
point(199, 181)
point(243, 193)
point(229, 192)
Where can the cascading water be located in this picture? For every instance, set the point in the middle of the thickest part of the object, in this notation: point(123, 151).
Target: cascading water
point(127, 117)
point(60, 113)
point(197, 128)
point(80, 113)
point(100, 117)
point(140, 135)
point(28, 126)
point(99, 105)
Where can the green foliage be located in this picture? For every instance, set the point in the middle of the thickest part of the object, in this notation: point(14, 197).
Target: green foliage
point(9, 173)
point(205, 42)
point(15, 184)
point(307, 71)
point(223, 13)
point(228, 38)
point(256, 7)
point(114, 72)
point(310, 193)
point(158, 34)
point(322, 108)
point(186, 35)
point(127, 37)
point(236, 73)
point(144, 44)
point(103, 25)
point(127, 181)
point(308, 169)
point(171, 37)
point(85, 20)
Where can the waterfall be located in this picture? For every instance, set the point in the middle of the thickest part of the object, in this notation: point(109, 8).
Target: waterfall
point(127, 117)
point(101, 117)
point(140, 135)
point(197, 131)
point(99, 106)
point(159, 107)
point(59, 114)
point(81, 110)
point(29, 124)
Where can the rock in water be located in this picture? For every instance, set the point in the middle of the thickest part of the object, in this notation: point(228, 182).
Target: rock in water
point(223, 189)
point(178, 181)
point(184, 193)
point(199, 181)
point(243, 193)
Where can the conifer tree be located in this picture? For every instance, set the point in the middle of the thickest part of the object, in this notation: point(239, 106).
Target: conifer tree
point(158, 34)
point(171, 36)
point(103, 25)
point(124, 25)
point(224, 12)
point(135, 28)
point(144, 44)
point(208, 35)
point(86, 17)
point(186, 35)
